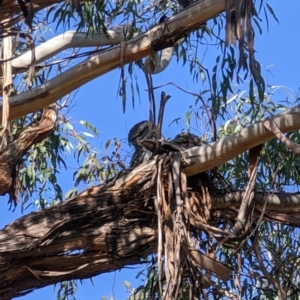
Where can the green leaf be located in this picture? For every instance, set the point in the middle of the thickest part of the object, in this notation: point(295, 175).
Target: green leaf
point(272, 12)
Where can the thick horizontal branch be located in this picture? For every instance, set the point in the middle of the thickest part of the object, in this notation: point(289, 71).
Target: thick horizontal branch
point(104, 228)
point(274, 201)
point(280, 207)
point(100, 230)
point(135, 49)
point(73, 39)
point(67, 40)
point(207, 157)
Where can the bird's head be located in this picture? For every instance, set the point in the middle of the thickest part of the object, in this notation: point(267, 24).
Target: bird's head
point(138, 132)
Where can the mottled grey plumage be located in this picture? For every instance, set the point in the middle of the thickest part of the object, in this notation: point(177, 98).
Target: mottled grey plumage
point(137, 133)
point(181, 142)
point(144, 142)
point(186, 140)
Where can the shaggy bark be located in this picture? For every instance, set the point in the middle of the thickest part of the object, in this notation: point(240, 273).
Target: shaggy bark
point(15, 149)
point(113, 225)
point(103, 229)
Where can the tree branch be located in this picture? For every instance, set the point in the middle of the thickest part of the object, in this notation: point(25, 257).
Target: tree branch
point(206, 157)
point(135, 49)
point(103, 229)
point(67, 40)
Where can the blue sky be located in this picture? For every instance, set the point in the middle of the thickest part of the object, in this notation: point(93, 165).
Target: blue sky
point(97, 102)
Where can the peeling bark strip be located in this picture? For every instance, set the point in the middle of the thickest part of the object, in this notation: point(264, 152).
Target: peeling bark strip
point(10, 157)
point(179, 251)
point(105, 227)
point(102, 229)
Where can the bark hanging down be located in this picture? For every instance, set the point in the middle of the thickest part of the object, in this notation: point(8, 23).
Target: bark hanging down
point(12, 154)
point(102, 229)
point(113, 225)
point(108, 227)
point(177, 207)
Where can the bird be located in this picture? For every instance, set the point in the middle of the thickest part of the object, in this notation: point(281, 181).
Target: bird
point(137, 133)
point(144, 142)
point(179, 143)
point(186, 140)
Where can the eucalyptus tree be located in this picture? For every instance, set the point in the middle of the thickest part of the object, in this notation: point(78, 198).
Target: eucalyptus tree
point(214, 211)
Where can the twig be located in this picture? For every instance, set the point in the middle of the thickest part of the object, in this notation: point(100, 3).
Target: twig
point(163, 100)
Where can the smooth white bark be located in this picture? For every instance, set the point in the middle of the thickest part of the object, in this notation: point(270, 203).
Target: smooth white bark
point(71, 39)
point(110, 59)
point(207, 157)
